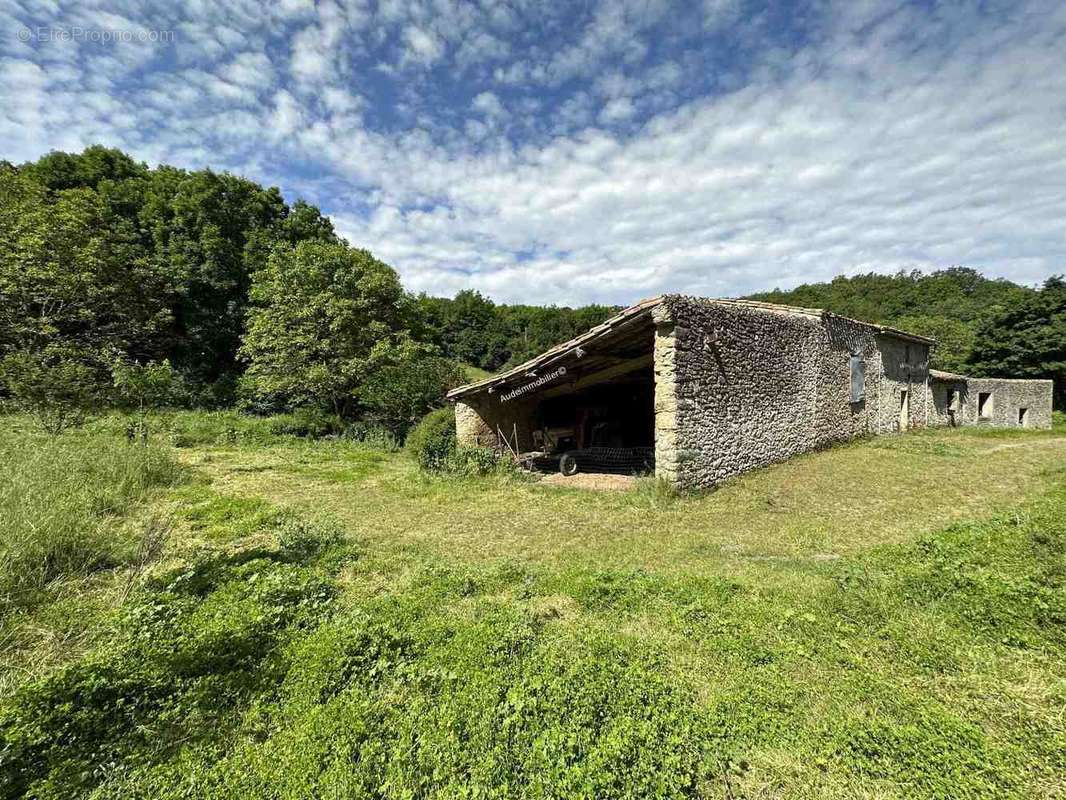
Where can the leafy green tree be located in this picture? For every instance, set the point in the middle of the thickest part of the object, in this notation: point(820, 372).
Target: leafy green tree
point(473, 330)
point(142, 388)
point(209, 233)
point(57, 386)
point(325, 316)
point(304, 222)
point(1027, 340)
point(57, 171)
point(398, 394)
point(530, 330)
point(103, 254)
point(958, 293)
point(67, 276)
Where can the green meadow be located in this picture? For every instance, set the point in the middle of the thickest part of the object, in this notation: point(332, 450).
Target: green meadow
point(237, 611)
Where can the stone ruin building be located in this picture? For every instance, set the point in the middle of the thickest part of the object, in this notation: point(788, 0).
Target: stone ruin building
point(712, 388)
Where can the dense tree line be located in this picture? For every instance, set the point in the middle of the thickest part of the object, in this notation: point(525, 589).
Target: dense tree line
point(984, 327)
point(477, 331)
point(108, 266)
point(100, 255)
point(114, 276)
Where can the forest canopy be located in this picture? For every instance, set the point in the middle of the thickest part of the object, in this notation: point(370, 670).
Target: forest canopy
point(107, 264)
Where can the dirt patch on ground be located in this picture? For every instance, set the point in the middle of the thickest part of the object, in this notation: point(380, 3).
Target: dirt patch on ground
point(591, 480)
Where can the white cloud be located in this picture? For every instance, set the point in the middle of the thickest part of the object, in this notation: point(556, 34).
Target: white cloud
point(340, 101)
point(296, 8)
point(421, 46)
point(249, 69)
point(617, 110)
point(894, 138)
point(480, 47)
point(489, 105)
point(311, 57)
point(287, 116)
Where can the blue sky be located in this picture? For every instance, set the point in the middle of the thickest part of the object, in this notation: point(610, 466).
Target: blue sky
point(598, 151)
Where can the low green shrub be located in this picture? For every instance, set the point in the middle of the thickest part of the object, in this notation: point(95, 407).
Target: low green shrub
point(57, 386)
point(306, 538)
point(432, 444)
point(476, 461)
point(432, 441)
point(373, 436)
point(308, 423)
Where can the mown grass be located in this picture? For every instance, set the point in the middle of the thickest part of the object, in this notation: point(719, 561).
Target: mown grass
point(309, 636)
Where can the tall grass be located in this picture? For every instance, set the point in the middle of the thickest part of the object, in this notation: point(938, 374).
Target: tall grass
point(59, 503)
point(183, 428)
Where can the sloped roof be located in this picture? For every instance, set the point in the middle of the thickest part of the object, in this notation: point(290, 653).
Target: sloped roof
point(819, 313)
point(622, 319)
point(642, 311)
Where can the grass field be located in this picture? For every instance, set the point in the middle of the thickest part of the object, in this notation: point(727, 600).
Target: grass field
point(257, 615)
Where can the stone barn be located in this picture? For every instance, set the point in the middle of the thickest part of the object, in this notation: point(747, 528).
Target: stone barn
point(710, 388)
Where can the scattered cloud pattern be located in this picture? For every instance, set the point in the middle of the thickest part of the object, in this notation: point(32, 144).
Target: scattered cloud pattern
point(597, 151)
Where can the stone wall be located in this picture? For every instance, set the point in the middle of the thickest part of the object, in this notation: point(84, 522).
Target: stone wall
point(956, 400)
point(477, 418)
point(1006, 399)
point(904, 367)
point(754, 385)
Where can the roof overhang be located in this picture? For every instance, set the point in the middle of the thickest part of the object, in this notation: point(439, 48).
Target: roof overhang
point(564, 354)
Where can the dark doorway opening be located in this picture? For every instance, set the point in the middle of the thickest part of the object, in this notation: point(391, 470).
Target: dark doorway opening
point(602, 427)
point(984, 405)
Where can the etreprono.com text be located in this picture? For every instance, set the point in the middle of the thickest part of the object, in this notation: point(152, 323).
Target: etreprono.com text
point(543, 379)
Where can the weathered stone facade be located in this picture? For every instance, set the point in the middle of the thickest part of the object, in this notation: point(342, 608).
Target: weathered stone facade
point(740, 385)
point(755, 384)
point(999, 402)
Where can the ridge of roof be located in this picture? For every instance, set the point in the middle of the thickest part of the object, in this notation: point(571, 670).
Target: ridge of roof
point(819, 313)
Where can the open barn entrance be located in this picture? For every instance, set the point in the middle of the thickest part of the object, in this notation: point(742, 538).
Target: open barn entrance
point(587, 405)
point(605, 427)
point(618, 414)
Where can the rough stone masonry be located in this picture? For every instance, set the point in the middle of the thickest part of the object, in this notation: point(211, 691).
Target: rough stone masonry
point(739, 385)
